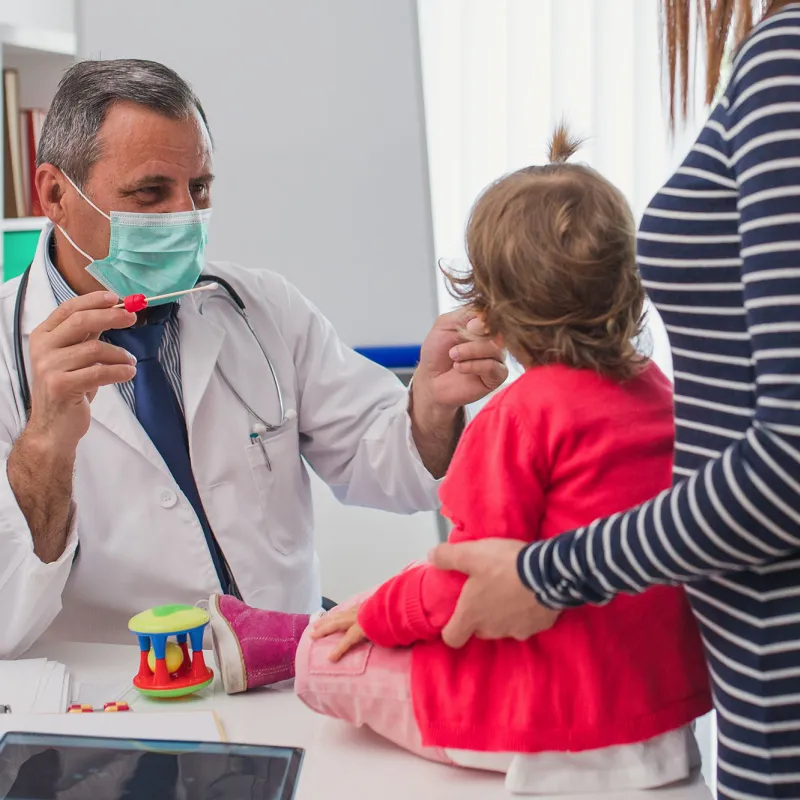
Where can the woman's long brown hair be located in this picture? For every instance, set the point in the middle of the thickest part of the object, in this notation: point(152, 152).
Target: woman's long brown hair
point(718, 19)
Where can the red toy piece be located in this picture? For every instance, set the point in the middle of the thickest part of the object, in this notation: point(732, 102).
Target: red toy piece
point(80, 709)
point(118, 706)
point(135, 302)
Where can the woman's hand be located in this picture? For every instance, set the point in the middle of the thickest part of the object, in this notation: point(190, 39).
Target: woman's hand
point(494, 603)
point(336, 622)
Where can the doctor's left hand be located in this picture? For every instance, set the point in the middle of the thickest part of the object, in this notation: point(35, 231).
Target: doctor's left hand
point(454, 372)
point(345, 621)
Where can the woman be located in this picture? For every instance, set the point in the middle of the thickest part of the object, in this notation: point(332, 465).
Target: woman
point(719, 251)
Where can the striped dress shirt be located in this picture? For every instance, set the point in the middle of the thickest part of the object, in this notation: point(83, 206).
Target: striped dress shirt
point(719, 251)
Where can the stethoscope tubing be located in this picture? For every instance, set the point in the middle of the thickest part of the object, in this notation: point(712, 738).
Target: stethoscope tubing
point(233, 297)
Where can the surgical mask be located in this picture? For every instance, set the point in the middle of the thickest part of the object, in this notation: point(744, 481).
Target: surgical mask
point(149, 254)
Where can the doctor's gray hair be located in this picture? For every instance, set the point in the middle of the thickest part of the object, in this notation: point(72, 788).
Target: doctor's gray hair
point(69, 138)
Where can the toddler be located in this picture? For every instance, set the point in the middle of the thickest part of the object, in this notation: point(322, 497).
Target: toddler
point(603, 700)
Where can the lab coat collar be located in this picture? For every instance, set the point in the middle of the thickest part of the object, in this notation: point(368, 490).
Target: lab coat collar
point(201, 342)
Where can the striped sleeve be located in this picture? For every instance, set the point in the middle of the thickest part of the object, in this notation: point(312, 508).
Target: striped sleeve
point(742, 508)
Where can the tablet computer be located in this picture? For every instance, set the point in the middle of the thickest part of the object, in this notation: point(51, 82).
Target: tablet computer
point(43, 767)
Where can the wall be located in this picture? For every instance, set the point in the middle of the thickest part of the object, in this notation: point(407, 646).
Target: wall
point(499, 74)
point(316, 110)
point(40, 74)
point(56, 15)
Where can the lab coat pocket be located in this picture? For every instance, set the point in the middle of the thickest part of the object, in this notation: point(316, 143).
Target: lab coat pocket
point(283, 488)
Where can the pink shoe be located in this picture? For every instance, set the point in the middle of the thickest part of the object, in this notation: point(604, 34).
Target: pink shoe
point(253, 647)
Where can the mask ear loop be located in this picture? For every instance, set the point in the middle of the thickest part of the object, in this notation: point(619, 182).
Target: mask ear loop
point(66, 235)
point(75, 187)
point(69, 239)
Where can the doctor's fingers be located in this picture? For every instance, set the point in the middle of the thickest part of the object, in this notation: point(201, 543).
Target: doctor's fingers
point(477, 350)
point(84, 302)
point(456, 320)
point(492, 373)
point(84, 354)
point(69, 385)
point(80, 326)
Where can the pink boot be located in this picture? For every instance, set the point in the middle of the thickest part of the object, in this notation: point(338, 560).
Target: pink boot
point(253, 647)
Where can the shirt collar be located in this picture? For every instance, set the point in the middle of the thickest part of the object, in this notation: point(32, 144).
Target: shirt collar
point(60, 287)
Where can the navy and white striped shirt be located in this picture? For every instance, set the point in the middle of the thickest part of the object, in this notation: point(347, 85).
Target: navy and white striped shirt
point(169, 353)
point(719, 251)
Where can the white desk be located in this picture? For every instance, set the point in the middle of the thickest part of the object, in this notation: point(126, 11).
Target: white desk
point(341, 761)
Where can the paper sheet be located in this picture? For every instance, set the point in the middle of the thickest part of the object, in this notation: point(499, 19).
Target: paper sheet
point(192, 726)
point(21, 684)
point(98, 694)
point(53, 692)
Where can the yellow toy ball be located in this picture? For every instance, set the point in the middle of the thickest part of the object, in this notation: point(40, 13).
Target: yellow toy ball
point(174, 658)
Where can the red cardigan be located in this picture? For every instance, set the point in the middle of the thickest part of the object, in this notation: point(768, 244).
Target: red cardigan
point(555, 450)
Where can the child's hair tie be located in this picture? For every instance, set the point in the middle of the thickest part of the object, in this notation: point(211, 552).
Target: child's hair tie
point(563, 145)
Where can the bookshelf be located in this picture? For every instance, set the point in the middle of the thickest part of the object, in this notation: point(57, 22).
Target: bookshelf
point(40, 56)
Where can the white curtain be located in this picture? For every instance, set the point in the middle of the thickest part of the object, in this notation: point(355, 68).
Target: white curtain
point(499, 74)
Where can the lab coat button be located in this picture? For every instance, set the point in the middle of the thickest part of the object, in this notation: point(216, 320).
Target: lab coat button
point(168, 498)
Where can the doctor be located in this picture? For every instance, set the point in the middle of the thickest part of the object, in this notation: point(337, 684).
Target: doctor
point(132, 479)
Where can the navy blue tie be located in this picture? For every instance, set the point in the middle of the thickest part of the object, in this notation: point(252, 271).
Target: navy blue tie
point(160, 414)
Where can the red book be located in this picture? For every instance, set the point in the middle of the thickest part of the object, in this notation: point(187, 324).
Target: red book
point(34, 118)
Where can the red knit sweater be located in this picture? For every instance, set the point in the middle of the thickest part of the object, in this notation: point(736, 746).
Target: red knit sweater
point(555, 450)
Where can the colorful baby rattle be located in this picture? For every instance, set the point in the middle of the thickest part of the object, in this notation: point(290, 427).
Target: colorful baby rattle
point(166, 669)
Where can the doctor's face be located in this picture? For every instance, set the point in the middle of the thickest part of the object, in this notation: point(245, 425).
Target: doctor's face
point(148, 163)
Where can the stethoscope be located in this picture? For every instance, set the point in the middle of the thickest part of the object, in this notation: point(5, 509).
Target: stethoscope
point(232, 297)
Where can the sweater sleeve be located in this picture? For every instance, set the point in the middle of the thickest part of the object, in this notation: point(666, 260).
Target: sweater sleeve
point(494, 487)
point(741, 509)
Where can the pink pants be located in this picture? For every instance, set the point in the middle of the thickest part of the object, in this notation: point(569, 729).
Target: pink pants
point(369, 686)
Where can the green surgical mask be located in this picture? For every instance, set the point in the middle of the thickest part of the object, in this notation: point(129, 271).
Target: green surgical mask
point(149, 254)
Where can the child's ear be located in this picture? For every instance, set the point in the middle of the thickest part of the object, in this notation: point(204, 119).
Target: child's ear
point(497, 338)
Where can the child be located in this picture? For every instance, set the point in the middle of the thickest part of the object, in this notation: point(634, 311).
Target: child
point(604, 698)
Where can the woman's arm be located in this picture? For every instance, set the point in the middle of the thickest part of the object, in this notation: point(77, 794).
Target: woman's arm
point(742, 509)
point(493, 488)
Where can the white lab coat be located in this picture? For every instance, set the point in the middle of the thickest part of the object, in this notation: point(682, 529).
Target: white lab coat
point(140, 542)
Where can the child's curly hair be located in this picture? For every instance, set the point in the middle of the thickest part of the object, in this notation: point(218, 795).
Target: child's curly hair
point(553, 266)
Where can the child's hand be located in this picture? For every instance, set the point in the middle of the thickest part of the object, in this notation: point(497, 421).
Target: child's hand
point(336, 622)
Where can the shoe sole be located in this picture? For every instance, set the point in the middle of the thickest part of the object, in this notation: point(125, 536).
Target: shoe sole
point(227, 651)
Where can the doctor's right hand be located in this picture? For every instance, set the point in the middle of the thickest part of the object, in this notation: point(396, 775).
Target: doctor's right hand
point(69, 363)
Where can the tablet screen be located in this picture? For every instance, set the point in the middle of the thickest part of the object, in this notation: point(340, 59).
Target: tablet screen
point(43, 767)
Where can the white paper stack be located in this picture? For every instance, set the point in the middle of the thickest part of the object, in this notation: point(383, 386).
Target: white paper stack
point(34, 686)
point(39, 692)
point(175, 726)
